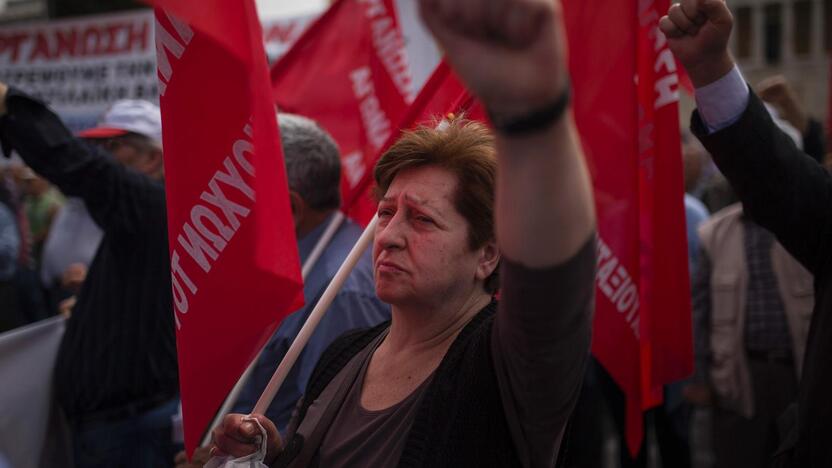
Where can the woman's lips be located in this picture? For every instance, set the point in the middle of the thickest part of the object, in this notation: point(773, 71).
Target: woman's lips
point(389, 267)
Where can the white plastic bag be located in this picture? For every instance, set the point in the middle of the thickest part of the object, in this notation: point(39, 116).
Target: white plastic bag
point(255, 460)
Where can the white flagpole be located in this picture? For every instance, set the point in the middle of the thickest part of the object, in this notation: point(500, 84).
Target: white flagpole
point(323, 243)
point(331, 228)
point(315, 318)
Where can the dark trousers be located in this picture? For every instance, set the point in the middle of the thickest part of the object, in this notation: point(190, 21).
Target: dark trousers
point(740, 442)
point(141, 441)
point(672, 423)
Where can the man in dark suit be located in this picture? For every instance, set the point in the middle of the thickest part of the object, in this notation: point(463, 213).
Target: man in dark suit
point(781, 188)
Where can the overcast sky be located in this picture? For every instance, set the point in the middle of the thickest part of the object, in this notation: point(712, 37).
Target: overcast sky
point(279, 8)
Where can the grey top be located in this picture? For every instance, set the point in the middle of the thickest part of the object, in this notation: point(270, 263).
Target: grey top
point(360, 437)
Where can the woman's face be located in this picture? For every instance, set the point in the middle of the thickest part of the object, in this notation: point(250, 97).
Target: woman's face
point(421, 252)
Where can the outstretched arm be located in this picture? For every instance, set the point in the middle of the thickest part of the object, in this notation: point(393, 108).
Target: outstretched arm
point(512, 55)
point(117, 197)
point(781, 188)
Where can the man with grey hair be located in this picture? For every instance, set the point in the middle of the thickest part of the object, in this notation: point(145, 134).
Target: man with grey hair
point(313, 168)
point(314, 172)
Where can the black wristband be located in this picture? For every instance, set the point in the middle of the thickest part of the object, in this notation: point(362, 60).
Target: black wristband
point(536, 120)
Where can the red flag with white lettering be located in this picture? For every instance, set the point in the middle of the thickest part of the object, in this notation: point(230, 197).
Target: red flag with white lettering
point(667, 340)
point(349, 72)
point(442, 96)
point(602, 52)
point(235, 268)
point(630, 133)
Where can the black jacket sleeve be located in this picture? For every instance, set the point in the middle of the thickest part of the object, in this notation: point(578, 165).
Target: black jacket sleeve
point(117, 197)
point(781, 188)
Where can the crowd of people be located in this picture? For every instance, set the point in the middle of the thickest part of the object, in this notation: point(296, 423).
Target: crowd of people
point(463, 338)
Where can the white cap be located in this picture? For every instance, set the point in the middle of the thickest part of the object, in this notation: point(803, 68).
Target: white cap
point(128, 115)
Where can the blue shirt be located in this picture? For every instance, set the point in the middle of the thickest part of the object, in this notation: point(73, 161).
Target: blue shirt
point(695, 214)
point(355, 306)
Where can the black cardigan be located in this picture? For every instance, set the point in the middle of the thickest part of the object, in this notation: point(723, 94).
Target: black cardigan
point(462, 400)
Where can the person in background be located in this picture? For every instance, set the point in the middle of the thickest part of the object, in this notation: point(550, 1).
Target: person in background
point(694, 158)
point(784, 190)
point(9, 254)
point(68, 252)
point(777, 91)
point(41, 203)
point(752, 306)
point(116, 374)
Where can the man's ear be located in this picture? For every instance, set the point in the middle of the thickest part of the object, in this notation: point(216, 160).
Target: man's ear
point(298, 207)
point(155, 161)
point(489, 259)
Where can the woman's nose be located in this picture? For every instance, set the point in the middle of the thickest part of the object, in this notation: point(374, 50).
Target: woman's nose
point(391, 233)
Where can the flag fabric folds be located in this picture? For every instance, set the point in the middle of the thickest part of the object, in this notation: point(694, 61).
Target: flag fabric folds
point(234, 261)
point(626, 109)
point(349, 72)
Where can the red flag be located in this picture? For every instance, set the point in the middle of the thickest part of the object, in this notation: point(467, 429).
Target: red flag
point(603, 64)
point(642, 328)
point(666, 280)
point(442, 96)
point(234, 261)
point(349, 72)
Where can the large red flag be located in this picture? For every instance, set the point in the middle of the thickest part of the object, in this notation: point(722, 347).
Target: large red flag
point(602, 52)
point(626, 94)
point(668, 344)
point(234, 261)
point(349, 72)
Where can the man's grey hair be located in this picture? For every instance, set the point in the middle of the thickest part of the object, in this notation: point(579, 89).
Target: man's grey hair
point(313, 163)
